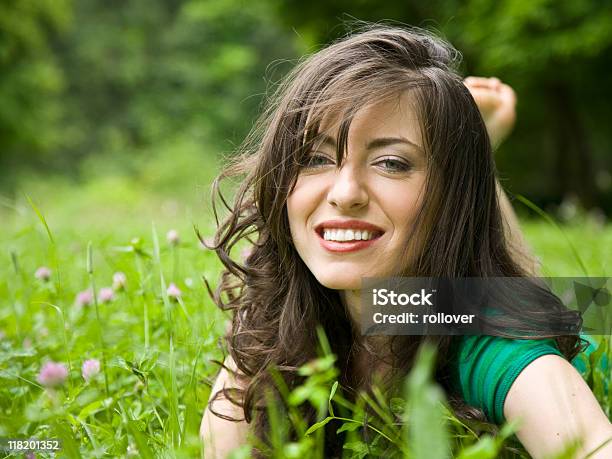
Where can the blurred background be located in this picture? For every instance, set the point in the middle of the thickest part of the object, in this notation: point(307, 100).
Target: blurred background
point(126, 108)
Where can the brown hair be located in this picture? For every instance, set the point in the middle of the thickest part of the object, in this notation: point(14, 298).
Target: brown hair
point(276, 300)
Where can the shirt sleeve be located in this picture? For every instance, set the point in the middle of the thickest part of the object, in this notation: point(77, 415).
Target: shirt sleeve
point(486, 366)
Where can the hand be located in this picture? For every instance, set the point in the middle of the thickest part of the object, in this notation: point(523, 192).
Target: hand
point(497, 104)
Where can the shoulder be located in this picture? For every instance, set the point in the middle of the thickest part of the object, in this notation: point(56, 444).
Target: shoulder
point(226, 429)
point(485, 367)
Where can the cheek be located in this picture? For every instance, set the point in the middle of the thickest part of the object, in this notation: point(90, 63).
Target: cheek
point(404, 211)
point(298, 207)
point(411, 207)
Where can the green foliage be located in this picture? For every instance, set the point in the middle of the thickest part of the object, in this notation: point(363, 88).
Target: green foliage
point(419, 425)
point(98, 87)
point(427, 437)
point(155, 397)
point(31, 79)
point(158, 351)
point(114, 84)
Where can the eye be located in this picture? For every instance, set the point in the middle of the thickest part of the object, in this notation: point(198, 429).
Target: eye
point(316, 160)
point(395, 165)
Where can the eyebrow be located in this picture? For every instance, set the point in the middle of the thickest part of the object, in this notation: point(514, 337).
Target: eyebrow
point(373, 144)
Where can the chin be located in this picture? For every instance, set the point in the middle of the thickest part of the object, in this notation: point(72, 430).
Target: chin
point(340, 281)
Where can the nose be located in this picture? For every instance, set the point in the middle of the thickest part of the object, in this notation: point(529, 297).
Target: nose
point(348, 191)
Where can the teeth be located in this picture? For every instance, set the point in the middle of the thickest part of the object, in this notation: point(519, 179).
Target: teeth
point(341, 235)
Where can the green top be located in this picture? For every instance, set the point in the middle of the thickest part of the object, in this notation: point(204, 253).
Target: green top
point(488, 365)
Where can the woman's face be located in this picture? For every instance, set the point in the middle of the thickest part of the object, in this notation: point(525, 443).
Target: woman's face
point(378, 188)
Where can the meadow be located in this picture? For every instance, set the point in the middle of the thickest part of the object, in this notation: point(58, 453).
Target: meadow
point(112, 123)
point(108, 336)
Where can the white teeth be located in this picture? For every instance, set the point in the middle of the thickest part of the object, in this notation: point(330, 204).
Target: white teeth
point(337, 234)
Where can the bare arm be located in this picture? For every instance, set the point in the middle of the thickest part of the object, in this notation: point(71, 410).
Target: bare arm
point(218, 435)
point(556, 407)
point(551, 397)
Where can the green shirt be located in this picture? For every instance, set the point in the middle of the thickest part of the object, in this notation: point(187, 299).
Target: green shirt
point(488, 365)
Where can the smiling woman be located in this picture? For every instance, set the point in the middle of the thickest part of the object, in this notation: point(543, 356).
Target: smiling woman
point(373, 160)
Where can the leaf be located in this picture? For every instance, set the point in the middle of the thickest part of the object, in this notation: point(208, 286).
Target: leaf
point(118, 447)
point(242, 452)
point(299, 395)
point(135, 427)
point(70, 447)
point(317, 365)
point(90, 409)
point(508, 429)
point(331, 395)
point(359, 448)
point(41, 217)
point(349, 427)
point(426, 434)
point(597, 364)
point(297, 450)
point(486, 448)
point(318, 425)
point(397, 405)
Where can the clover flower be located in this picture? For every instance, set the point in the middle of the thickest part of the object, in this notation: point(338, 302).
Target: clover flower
point(173, 237)
point(119, 280)
point(84, 298)
point(52, 374)
point(43, 273)
point(173, 291)
point(90, 368)
point(106, 295)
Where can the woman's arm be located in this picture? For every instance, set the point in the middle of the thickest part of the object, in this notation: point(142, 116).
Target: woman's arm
point(556, 407)
point(218, 435)
point(549, 395)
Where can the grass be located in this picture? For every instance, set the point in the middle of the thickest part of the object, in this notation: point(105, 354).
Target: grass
point(156, 349)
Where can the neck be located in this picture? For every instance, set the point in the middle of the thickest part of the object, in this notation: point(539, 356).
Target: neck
point(352, 302)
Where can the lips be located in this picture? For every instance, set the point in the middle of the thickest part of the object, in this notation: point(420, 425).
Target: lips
point(342, 247)
point(349, 224)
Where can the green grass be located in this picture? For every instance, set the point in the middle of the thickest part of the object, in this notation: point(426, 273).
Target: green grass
point(156, 352)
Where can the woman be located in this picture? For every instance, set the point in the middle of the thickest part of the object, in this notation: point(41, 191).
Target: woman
point(379, 129)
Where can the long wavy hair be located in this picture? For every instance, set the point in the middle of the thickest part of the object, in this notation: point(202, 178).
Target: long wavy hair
point(276, 301)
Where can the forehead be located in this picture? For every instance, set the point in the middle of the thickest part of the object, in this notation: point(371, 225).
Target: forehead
point(396, 116)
